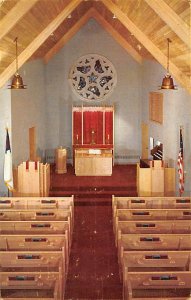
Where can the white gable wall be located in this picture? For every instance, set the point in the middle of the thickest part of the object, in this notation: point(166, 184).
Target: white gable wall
point(177, 112)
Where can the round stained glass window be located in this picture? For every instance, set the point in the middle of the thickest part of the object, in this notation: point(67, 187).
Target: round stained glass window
point(93, 77)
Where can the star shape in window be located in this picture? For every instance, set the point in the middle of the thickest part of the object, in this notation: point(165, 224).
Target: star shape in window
point(93, 78)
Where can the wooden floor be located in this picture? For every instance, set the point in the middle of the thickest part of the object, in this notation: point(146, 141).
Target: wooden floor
point(93, 268)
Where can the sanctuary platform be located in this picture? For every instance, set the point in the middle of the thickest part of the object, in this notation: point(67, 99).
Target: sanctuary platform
point(122, 182)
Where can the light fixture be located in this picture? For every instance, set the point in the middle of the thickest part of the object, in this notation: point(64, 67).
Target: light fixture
point(17, 81)
point(167, 82)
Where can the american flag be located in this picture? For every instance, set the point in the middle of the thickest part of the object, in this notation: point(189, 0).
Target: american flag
point(181, 165)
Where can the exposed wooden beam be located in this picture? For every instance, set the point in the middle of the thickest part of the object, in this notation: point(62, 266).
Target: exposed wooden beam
point(93, 13)
point(118, 37)
point(14, 15)
point(168, 15)
point(37, 42)
point(148, 44)
point(70, 33)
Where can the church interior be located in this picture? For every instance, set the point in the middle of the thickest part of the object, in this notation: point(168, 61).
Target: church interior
point(95, 151)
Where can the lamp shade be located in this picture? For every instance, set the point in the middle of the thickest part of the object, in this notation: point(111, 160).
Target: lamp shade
point(17, 82)
point(167, 83)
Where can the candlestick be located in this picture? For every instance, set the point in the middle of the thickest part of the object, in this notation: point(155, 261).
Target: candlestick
point(77, 138)
point(93, 136)
point(108, 139)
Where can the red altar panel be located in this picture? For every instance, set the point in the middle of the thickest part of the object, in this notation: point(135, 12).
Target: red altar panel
point(93, 127)
point(109, 127)
point(77, 127)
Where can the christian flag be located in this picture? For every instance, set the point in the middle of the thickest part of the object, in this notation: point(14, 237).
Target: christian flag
point(181, 165)
point(8, 171)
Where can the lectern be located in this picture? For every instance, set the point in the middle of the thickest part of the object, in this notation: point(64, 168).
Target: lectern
point(61, 160)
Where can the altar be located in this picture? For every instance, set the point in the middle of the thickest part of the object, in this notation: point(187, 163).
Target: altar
point(93, 140)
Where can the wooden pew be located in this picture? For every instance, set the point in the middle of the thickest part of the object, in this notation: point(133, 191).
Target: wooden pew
point(33, 227)
point(35, 239)
point(32, 285)
point(36, 215)
point(152, 214)
point(151, 202)
point(157, 285)
point(16, 203)
point(154, 241)
point(154, 246)
point(36, 242)
point(135, 261)
point(36, 202)
point(32, 260)
point(162, 226)
point(42, 209)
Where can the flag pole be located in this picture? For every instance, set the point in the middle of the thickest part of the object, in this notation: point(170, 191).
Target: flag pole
point(180, 162)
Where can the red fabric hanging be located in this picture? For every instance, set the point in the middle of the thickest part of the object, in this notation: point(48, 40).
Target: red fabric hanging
point(109, 127)
point(93, 127)
point(77, 127)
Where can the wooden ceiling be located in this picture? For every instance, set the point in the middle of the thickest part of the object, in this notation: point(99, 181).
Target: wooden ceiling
point(141, 27)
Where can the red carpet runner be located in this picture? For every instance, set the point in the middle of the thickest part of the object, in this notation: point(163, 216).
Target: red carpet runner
point(93, 268)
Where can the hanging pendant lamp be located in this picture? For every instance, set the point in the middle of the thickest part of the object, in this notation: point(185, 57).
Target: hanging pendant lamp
point(167, 82)
point(17, 81)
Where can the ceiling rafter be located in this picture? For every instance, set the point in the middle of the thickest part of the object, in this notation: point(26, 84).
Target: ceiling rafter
point(118, 37)
point(167, 14)
point(14, 15)
point(93, 13)
point(68, 35)
point(37, 42)
point(148, 44)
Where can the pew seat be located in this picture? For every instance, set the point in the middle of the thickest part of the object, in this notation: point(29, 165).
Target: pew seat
point(32, 260)
point(33, 242)
point(154, 241)
point(151, 202)
point(155, 260)
point(152, 214)
point(35, 214)
point(162, 285)
point(36, 202)
point(165, 226)
point(31, 285)
point(33, 227)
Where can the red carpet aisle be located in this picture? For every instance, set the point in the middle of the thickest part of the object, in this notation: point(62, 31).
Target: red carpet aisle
point(93, 269)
